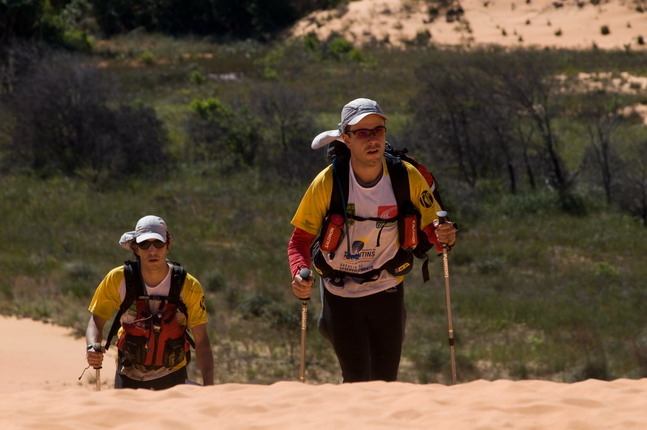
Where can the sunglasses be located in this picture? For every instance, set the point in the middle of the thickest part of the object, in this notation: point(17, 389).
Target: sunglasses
point(147, 244)
point(365, 133)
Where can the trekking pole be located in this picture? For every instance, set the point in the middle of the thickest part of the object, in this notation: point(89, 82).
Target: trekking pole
point(442, 218)
point(97, 348)
point(305, 274)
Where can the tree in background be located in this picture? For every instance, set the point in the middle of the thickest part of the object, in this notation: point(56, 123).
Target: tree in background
point(229, 136)
point(289, 129)
point(633, 181)
point(21, 19)
point(56, 22)
point(528, 79)
point(66, 118)
point(260, 19)
point(600, 112)
point(461, 116)
point(488, 110)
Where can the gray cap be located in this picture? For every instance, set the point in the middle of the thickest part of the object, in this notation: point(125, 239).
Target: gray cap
point(351, 114)
point(148, 227)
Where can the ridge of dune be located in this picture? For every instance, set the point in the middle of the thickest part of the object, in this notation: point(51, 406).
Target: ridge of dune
point(41, 363)
point(572, 24)
point(500, 404)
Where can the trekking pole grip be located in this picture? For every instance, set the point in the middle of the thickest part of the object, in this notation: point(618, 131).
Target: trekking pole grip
point(97, 348)
point(442, 217)
point(305, 274)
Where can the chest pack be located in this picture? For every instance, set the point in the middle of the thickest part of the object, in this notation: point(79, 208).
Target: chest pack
point(152, 339)
point(413, 241)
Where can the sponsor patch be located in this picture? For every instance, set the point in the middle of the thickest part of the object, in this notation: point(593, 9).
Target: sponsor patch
point(386, 212)
point(426, 200)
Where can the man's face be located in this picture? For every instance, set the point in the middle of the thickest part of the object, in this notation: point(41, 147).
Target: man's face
point(365, 147)
point(149, 253)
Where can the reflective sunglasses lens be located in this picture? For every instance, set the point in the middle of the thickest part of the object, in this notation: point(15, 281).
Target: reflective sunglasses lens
point(158, 244)
point(379, 131)
point(147, 244)
point(363, 134)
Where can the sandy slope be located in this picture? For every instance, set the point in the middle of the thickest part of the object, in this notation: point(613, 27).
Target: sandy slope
point(502, 22)
point(36, 355)
point(41, 363)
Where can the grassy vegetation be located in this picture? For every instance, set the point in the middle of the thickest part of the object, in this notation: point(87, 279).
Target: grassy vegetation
point(536, 293)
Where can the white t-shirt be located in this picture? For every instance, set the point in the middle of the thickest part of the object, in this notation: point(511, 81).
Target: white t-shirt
point(373, 243)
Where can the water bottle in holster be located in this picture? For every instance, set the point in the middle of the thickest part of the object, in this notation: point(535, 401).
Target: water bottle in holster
point(408, 229)
point(334, 229)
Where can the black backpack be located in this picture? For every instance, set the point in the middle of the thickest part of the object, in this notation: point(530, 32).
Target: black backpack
point(402, 263)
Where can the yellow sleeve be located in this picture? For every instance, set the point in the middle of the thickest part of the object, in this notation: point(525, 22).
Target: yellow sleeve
point(106, 298)
point(421, 196)
point(193, 297)
point(315, 202)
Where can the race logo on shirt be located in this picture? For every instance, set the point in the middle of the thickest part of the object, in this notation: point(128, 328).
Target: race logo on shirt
point(386, 212)
point(358, 251)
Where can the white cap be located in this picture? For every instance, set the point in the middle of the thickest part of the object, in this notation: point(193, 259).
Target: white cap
point(148, 227)
point(351, 114)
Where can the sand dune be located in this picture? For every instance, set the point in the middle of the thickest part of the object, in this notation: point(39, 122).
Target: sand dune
point(558, 23)
point(41, 363)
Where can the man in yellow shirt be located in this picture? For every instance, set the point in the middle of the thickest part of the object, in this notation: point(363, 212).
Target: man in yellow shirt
point(362, 265)
point(158, 303)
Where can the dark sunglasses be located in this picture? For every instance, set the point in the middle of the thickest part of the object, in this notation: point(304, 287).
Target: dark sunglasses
point(147, 244)
point(365, 133)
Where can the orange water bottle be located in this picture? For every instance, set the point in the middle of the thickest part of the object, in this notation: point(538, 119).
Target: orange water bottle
point(333, 233)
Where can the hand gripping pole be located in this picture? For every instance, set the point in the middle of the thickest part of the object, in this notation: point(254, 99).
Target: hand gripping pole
point(97, 348)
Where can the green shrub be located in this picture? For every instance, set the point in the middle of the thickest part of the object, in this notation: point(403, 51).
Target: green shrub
point(197, 77)
point(218, 132)
point(606, 270)
point(313, 45)
point(78, 40)
point(341, 49)
point(147, 57)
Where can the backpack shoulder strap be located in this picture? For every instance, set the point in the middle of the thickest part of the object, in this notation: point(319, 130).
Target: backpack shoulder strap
point(429, 177)
point(178, 276)
point(339, 196)
point(399, 181)
point(177, 280)
point(134, 289)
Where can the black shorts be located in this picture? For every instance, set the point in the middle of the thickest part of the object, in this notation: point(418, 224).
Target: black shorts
point(366, 333)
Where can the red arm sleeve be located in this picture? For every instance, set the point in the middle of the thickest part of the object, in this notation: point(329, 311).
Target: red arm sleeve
point(299, 250)
point(430, 231)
